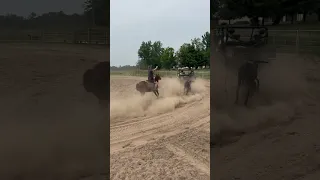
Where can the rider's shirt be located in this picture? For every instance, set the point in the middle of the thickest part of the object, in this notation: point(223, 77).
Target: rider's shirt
point(150, 76)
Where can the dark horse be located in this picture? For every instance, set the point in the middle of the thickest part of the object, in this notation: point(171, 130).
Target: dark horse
point(97, 81)
point(146, 86)
point(248, 76)
point(187, 85)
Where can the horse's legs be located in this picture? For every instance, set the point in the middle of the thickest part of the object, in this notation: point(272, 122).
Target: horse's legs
point(247, 97)
point(156, 86)
point(187, 88)
point(142, 93)
point(258, 85)
point(237, 91)
point(156, 93)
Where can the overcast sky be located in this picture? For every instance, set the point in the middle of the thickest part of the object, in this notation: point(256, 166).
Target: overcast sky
point(25, 7)
point(173, 22)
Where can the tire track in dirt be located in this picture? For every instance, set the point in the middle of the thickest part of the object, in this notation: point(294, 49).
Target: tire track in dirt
point(157, 126)
point(159, 134)
point(185, 156)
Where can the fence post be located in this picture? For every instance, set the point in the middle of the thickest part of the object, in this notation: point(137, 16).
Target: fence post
point(75, 37)
point(106, 38)
point(274, 39)
point(89, 36)
point(297, 40)
point(42, 36)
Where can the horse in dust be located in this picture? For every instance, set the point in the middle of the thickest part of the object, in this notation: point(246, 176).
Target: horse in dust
point(96, 81)
point(187, 85)
point(248, 76)
point(146, 86)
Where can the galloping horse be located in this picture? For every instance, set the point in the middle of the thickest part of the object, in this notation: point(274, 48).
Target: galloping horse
point(96, 80)
point(187, 85)
point(145, 86)
point(248, 76)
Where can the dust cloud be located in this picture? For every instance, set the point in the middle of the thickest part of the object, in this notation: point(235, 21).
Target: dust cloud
point(132, 104)
point(283, 89)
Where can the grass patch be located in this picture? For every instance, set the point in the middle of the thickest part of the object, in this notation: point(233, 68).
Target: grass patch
point(205, 74)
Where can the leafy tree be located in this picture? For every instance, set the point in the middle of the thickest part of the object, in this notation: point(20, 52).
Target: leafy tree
point(98, 11)
point(249, 8)
point(214, 9)
point(200, 51)
point(50, 20)
point(144, 54)
point(168, 58)
point(150, 54)
point(32, 15)
point(266, 8)
point(206, 40)
point(156, 53)
point(186, 55)
point(193, 54)
point(226, 14)
point(310, 6)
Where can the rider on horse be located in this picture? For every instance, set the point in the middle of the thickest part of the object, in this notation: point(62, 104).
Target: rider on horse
point(151, 76)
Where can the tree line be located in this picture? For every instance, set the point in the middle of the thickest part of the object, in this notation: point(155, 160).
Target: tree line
point(95, 13)
point(193, 54)
point(275, 9)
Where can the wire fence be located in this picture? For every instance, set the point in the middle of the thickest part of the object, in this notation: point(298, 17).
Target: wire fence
point(295, 40)
point(205, 74)
point(86, 36)
point(290, 40)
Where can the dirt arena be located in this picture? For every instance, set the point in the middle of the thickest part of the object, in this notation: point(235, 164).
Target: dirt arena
point(50, 127)
point(166, 138)
point(277, 137)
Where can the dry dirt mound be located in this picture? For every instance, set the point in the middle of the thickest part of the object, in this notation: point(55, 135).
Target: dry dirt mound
point(267, 137)
point(159, 138)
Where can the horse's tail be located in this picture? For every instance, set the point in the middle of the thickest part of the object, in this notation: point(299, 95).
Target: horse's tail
point(87, 80)
point(139, 86)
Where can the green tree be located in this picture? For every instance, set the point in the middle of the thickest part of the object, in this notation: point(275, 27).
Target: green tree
point(32, 16)
point(98, 11)
point(156, 52)
point(199, 52)
point(226, 14)
point(149, 54)
point(249, 8)
point(144, 53)
point(214, 9)
point(186, 55)
point(168, 58)
point(206, 40)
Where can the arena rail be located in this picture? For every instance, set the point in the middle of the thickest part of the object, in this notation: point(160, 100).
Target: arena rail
point(205, 74)
point(291, 40)
point(85, 36)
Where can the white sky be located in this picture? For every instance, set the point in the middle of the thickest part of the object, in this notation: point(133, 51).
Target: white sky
point(173, 22)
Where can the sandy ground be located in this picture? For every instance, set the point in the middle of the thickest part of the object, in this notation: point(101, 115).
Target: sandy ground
point(50, 127)
point(166, 138)
point(277, 137)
